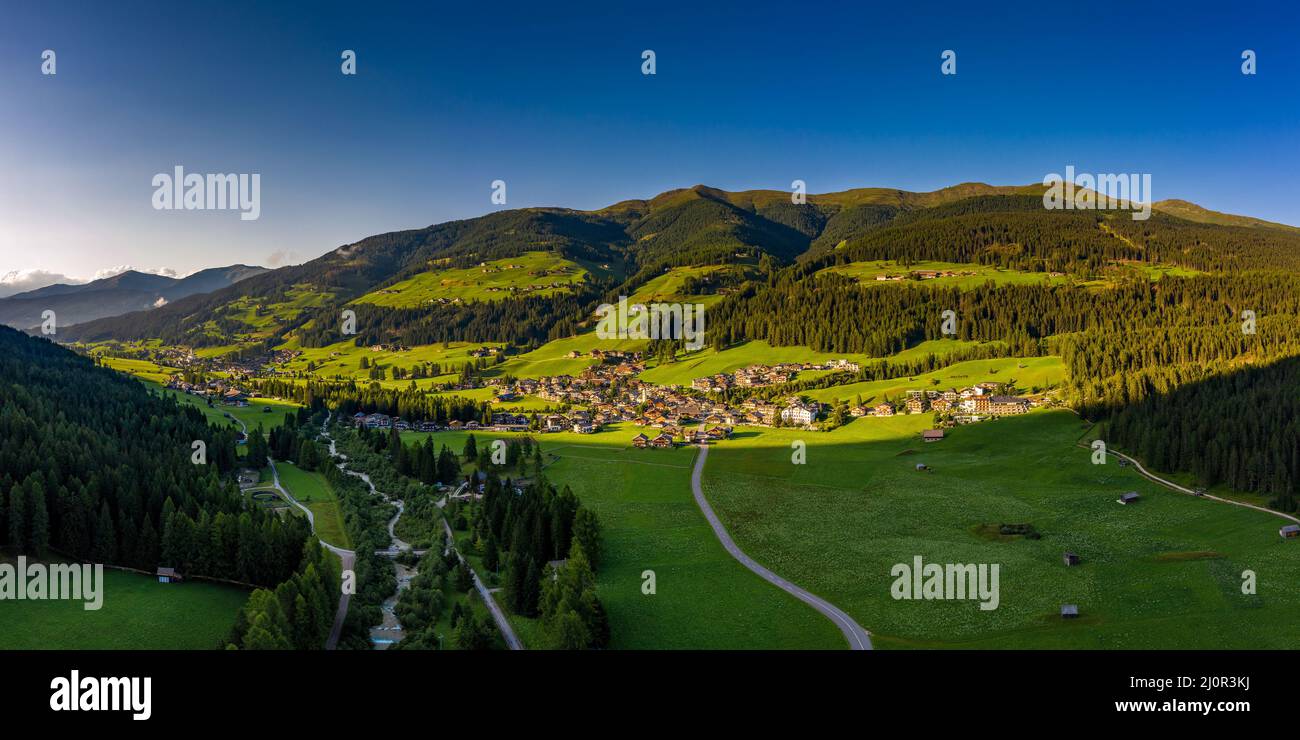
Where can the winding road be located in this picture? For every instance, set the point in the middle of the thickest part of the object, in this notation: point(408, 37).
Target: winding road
point(858, 638)
point(348, 558)
point(512, 640)
point(1182, 489)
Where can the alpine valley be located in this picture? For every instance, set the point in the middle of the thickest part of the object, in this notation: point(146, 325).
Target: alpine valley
point(960, 376)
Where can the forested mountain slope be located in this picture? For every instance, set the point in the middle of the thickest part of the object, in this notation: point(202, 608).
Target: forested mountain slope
point(636, 241)
point(99, 469)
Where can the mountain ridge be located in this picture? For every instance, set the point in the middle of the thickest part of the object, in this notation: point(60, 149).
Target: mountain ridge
point(703, 225)
point(125, 292)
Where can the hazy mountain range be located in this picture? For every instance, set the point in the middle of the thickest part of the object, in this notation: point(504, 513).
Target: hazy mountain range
point(111, 296)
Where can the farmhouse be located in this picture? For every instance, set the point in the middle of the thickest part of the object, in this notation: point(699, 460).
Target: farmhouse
point(168, 575)
point(1128, 498)
point(640, 440)
point(1070, 558)
point(1290, 531)
point(662, 441)
point(1069, 611)
point(932, 435)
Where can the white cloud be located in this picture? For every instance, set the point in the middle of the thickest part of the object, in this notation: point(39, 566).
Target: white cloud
point(21, 281)
point(118, 270)
point(281, 257)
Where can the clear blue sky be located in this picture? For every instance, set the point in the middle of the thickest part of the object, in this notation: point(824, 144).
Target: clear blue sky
point(550, 98)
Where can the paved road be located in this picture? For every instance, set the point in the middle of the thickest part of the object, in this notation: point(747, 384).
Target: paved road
point(503, 624)
point(1181, 489)
point(858, 638)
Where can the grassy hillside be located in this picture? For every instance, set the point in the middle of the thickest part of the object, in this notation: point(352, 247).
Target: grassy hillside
point(344, 359)
point(313, 491)
point(269, 412)
point(670, 287)
point(1036, 373)
point(1164, 573)
point(552, 357)
point(867, 272)
point(711, 362)
point(532, 273)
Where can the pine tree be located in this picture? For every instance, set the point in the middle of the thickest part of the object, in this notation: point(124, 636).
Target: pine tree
point(471, 449)
point(105, 548)
point(40, 519)
point(586, 532)
point(18, 518)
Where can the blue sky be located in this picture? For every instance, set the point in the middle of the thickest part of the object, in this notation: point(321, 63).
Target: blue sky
point(550, 98)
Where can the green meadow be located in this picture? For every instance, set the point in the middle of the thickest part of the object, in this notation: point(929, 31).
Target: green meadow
point(146, 369)
point(343, 359)
point(269, 412)
point(1163, 573)
point(264, 315)
point(313, 491)
point(704, 599)
point(531, 274)
point(670, 287)
point(552, 358)
point(1026, 373)
point(866, 273)
point(709, 361)
point(138, 613)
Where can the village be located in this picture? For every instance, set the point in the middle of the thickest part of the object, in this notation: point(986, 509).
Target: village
point(611, 392)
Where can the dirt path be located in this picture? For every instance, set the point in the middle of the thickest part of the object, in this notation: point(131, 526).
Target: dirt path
point(1182, 489)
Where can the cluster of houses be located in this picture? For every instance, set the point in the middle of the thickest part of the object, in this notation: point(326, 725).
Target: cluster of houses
point(666, 439)
point(922, 275)
point(527, 288)
point(611, 355)
point(971, 404)
point(762, 375)
point(576, 421)
point(216, 391)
